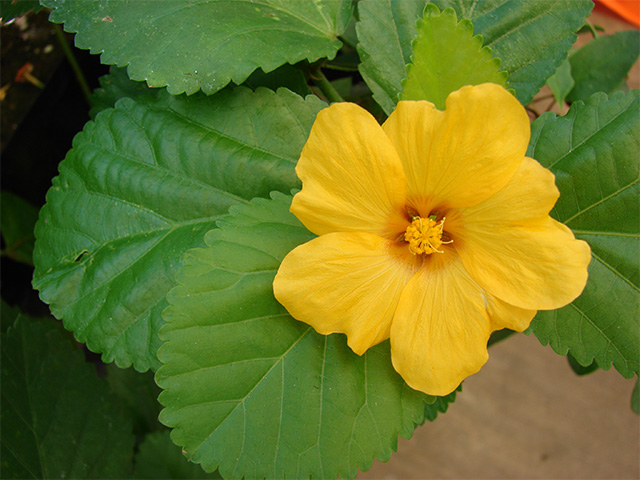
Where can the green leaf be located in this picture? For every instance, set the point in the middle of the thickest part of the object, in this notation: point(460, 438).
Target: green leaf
point(58, 418)
point(17, 219)
point(10, 9)
point(602, 64)
point(139, 392)
point(258, 394)
point(579, 369)
point(385, 31)
point(635, 398)
point(141, 186)
point(593, 152)
point(561, 82)
point(446, 56)
point(191, 46)
point(8, 315)
point(286, 76)
point(158, 457)
point(114, 86)
point(531, 38)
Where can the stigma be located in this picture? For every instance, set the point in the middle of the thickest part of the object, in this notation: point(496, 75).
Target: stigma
point(425, 235)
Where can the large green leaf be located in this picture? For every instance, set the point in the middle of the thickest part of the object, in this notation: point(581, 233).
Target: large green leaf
point(142, 185)
point(602, 64)
point(258, 394)
point(59, 419)
point(446, 56)
point(203, 44)
point(158, 457)
point(593, 152)
point(531, 38)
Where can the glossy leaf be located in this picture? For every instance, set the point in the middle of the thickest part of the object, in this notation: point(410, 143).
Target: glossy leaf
point(17, 219)
point(593, 152)
point(203, 45)
point(602, 64)
point(258, 394)
point(141, 186)
point(158, 457)
point(561, 82)
point(446, 56)
point(59, 419)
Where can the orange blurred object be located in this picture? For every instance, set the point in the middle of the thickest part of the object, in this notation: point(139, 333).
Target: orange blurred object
point(627, 9)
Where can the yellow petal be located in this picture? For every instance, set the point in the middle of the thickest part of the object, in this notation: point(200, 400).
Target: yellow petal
point(440, 331)
point(345, 282)
point(352, 178)
point(462, 156)
point(504, 315)
point(513, 249)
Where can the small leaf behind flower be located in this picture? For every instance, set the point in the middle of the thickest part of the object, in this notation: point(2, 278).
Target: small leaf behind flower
point(446, 56)
point(258, 394)
point(561, 82)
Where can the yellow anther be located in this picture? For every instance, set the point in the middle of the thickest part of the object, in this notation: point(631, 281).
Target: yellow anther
point(425, 235)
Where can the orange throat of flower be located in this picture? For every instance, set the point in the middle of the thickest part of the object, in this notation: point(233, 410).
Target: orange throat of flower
point(425, 236)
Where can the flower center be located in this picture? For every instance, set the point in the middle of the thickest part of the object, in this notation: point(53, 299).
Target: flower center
point(425, 235)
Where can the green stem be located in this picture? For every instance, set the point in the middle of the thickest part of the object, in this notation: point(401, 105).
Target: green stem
point(593, 30)
point(341, 68)
point(82, 81)
point(324, 85)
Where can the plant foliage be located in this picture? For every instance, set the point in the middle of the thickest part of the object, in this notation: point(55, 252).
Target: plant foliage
point(161, 170)
point(59, 419)
point(295, 403)
point(593, 152)
point(203, 45)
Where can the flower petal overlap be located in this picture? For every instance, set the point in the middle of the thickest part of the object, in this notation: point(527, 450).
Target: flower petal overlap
point(434, 231)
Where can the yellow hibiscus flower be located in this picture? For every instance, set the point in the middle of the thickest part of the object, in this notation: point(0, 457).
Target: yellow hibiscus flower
point(433, 231)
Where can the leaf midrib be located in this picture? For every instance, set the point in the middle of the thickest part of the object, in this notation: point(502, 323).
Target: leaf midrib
point(248, 394)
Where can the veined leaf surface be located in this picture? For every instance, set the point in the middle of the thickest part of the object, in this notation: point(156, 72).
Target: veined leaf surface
point(257, 394)
point(141, 186)
point(191, 45)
